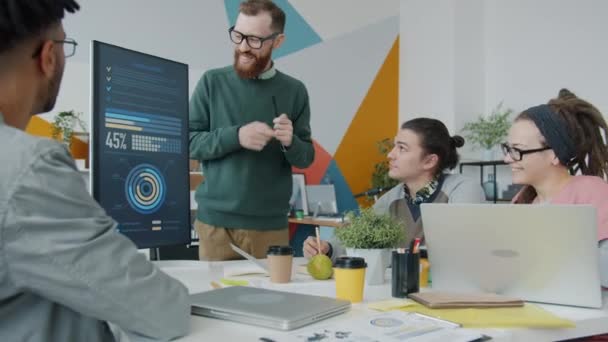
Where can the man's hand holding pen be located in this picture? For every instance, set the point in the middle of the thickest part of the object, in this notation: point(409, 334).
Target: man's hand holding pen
point(255, 135)
point(283, 130)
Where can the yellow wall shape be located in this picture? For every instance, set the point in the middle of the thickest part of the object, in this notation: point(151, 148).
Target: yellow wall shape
point(40, 127)
point(375, 120)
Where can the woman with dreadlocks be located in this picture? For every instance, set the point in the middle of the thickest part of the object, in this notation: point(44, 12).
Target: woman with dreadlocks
point(559, 152)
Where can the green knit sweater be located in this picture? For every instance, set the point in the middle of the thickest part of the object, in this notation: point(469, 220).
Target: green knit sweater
point(246, 189)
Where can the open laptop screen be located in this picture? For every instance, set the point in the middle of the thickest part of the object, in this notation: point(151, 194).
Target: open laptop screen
point(540, 253)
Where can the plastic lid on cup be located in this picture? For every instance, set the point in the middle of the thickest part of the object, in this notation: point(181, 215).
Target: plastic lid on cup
point(280, 250)
point(350, 262)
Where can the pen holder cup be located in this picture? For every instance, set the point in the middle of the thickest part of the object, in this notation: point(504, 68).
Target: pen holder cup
point(405, 274)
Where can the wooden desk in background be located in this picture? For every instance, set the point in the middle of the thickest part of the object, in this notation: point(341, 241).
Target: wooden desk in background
point(301, 229)
point(316, 222)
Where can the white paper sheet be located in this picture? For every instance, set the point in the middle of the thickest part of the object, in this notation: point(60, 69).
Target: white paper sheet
point(391, 326)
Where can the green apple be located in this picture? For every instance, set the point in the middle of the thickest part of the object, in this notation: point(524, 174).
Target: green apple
point(320, 267)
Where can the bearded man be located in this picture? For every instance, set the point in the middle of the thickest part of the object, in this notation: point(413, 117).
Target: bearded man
point(249, 124)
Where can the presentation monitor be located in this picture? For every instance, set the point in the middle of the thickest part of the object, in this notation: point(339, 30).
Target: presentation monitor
point(139, 144)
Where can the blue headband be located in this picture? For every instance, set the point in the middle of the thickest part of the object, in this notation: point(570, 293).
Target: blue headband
point(555, 131)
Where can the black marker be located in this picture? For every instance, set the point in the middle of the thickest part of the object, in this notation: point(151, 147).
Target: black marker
point(276, 115)
point(274, 104)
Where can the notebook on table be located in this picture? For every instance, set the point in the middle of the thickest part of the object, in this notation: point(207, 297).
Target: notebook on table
point(445, 300)
point(267, 308)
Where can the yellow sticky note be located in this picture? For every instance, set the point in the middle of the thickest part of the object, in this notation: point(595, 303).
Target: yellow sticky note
point(234, 282)
point(527, 316)
point(391, 304)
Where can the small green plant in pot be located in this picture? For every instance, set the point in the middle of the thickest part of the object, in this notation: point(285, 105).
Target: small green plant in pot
point(489, 131)
point(63, 126)
point(372, 236)
point(380, 178)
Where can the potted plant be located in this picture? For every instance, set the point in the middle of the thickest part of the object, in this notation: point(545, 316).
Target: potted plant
point(489, 131)
point(372, 236)
point(62, 127)
point(380, 178)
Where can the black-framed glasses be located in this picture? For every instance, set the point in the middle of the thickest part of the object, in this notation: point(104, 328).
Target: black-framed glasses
point(69, 47)
point(517, 154)
point(254, 42)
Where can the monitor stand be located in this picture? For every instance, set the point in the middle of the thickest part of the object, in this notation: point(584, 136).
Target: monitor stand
point(154, 254)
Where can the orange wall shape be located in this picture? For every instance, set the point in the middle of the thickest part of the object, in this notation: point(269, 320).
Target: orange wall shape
point(42, 128)
point(376, 119)
point(38, 126)
point(79, 149)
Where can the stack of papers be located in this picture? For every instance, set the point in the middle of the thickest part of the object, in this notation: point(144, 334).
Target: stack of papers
point(238, 269)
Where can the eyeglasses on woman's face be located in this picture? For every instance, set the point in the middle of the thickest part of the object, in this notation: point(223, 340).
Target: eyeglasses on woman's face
point(517, 154)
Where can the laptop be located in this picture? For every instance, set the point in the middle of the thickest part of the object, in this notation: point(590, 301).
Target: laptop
point(298, 200)
point(267, 308)
point(539, 253)
point(322, 200)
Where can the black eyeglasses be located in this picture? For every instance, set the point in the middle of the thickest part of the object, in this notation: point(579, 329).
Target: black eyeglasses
point(253, 41)
point(517, 154)
point(69, 47)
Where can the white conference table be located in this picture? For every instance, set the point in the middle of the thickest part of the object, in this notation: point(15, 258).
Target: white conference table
point(197, 277)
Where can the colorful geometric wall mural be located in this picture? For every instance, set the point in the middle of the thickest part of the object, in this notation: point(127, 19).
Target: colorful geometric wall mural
point(375, 120)
point(345, 52)
point(353, 88)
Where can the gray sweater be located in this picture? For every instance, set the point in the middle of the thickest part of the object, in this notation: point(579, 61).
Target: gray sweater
point(64, 270)
point(455, 189)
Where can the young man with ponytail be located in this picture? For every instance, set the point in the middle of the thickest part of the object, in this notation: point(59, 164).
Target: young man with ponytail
point(559, 152)
point(423, 151)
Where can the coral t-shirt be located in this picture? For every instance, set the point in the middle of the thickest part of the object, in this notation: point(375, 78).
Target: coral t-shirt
point(586, 190)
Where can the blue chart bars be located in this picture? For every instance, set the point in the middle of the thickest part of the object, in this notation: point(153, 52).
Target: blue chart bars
point(143, 124)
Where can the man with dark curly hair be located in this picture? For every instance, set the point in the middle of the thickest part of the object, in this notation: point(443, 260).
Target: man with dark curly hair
point(65, 273)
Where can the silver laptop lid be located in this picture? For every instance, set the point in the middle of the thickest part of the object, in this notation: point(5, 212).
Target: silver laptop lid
point(321, 199)
point(269, 308)
point(539, 253)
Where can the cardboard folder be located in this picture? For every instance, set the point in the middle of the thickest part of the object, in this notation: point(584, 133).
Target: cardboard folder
point(437, 300)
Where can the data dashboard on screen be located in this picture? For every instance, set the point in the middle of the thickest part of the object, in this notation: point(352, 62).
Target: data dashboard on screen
point(139, 144)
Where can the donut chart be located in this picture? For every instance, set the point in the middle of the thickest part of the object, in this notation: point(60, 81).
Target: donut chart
point(145, 189)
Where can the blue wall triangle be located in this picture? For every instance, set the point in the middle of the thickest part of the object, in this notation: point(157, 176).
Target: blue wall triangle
point(344, 196)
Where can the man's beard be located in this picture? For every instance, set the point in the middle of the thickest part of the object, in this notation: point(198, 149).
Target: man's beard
point(52, 91)
point(252, 70)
